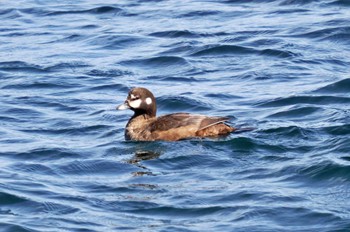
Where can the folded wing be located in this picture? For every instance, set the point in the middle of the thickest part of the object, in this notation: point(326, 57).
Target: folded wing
point(184, 125)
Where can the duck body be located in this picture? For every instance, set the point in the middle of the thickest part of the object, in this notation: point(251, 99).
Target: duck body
point(145, 126)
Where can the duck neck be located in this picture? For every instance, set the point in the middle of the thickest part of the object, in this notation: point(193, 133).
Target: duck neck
point(144, 114)
point(147, 113)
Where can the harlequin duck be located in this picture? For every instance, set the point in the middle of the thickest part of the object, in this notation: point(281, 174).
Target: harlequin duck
point(145, 126)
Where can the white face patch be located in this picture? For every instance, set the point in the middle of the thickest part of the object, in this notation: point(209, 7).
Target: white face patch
point(148, 101)
point(135, 103)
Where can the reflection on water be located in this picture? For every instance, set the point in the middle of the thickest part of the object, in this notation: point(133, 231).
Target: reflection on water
point(142, 156)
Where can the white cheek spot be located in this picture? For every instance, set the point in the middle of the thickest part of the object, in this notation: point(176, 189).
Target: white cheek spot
point(148, 101)
point(135, 104)
point(132, 96)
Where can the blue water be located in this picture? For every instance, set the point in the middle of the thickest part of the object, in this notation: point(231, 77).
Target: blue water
point(280, 66)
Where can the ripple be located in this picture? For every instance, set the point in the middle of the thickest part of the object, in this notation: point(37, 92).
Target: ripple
point(71, 131)
point(279, 53)
point(238, 144)
point(198, 13)
point(24, 112)
point(93, 167)
point(296, 2)
point(160, 65)
point(44, 154)
point(181, 103)
point(222, 96)
point(34, 168)
point(342, 86)
point(108, 73)
point(9, 227)
point(96, 10)
point(18, 204)
point(327, 171)
point(40, 85)
point(224, 50)
point(291, 132)
point(163, 61)
point(300, 112)
point(67, 65)
point(21, 66)
point(175, 34)
point(338, 130)
point(177, 212)
point(340, 3)
point(10, 13)
point(117, 41)
point(120, 87)
point(174, 79)
point(8, 199)
point(58, 209)
point(333, 34)
point(316, 100)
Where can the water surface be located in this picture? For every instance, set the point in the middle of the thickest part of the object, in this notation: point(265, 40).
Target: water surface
point(281, 66)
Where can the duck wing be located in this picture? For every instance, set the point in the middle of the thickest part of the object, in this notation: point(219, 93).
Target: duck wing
point(194, 122)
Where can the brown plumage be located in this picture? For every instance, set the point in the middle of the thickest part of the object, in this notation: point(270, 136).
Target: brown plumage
point(145, 126)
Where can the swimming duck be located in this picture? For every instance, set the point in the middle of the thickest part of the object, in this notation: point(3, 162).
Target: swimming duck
point(145, 126)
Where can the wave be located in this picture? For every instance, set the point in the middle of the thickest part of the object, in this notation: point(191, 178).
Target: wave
point(334, 34)
point(40, 85)
point(23, 112)
point(175, 34)
point(22, 66)
point(166, 211)
point(67, 65)
point(166, 78)
point(223, 50)
point(279, 53)
point(9, 227)
point(180, 103)
point(157, 62)
point(33, 206)
point(44, 154)
point(38, 169)
point(251, 1)
point(289, 131)
point(116, 41)
point(345, 3)
point(299, 112)
point(96, 10)
point(315, 100)
point(108, 73)
point(91, 167)
point(326, 171)
point(342, 86)
point(71, 131)
point(222, 96)
point(39, 101)
point(296, 2)
point(113, 87)
point(343, 129)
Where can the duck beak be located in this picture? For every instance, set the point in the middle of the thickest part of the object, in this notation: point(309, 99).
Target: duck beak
point(123, 106)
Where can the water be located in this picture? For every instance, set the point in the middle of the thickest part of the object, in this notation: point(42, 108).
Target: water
point(281, 66)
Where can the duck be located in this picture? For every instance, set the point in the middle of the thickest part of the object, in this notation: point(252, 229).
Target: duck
point(144, 125)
